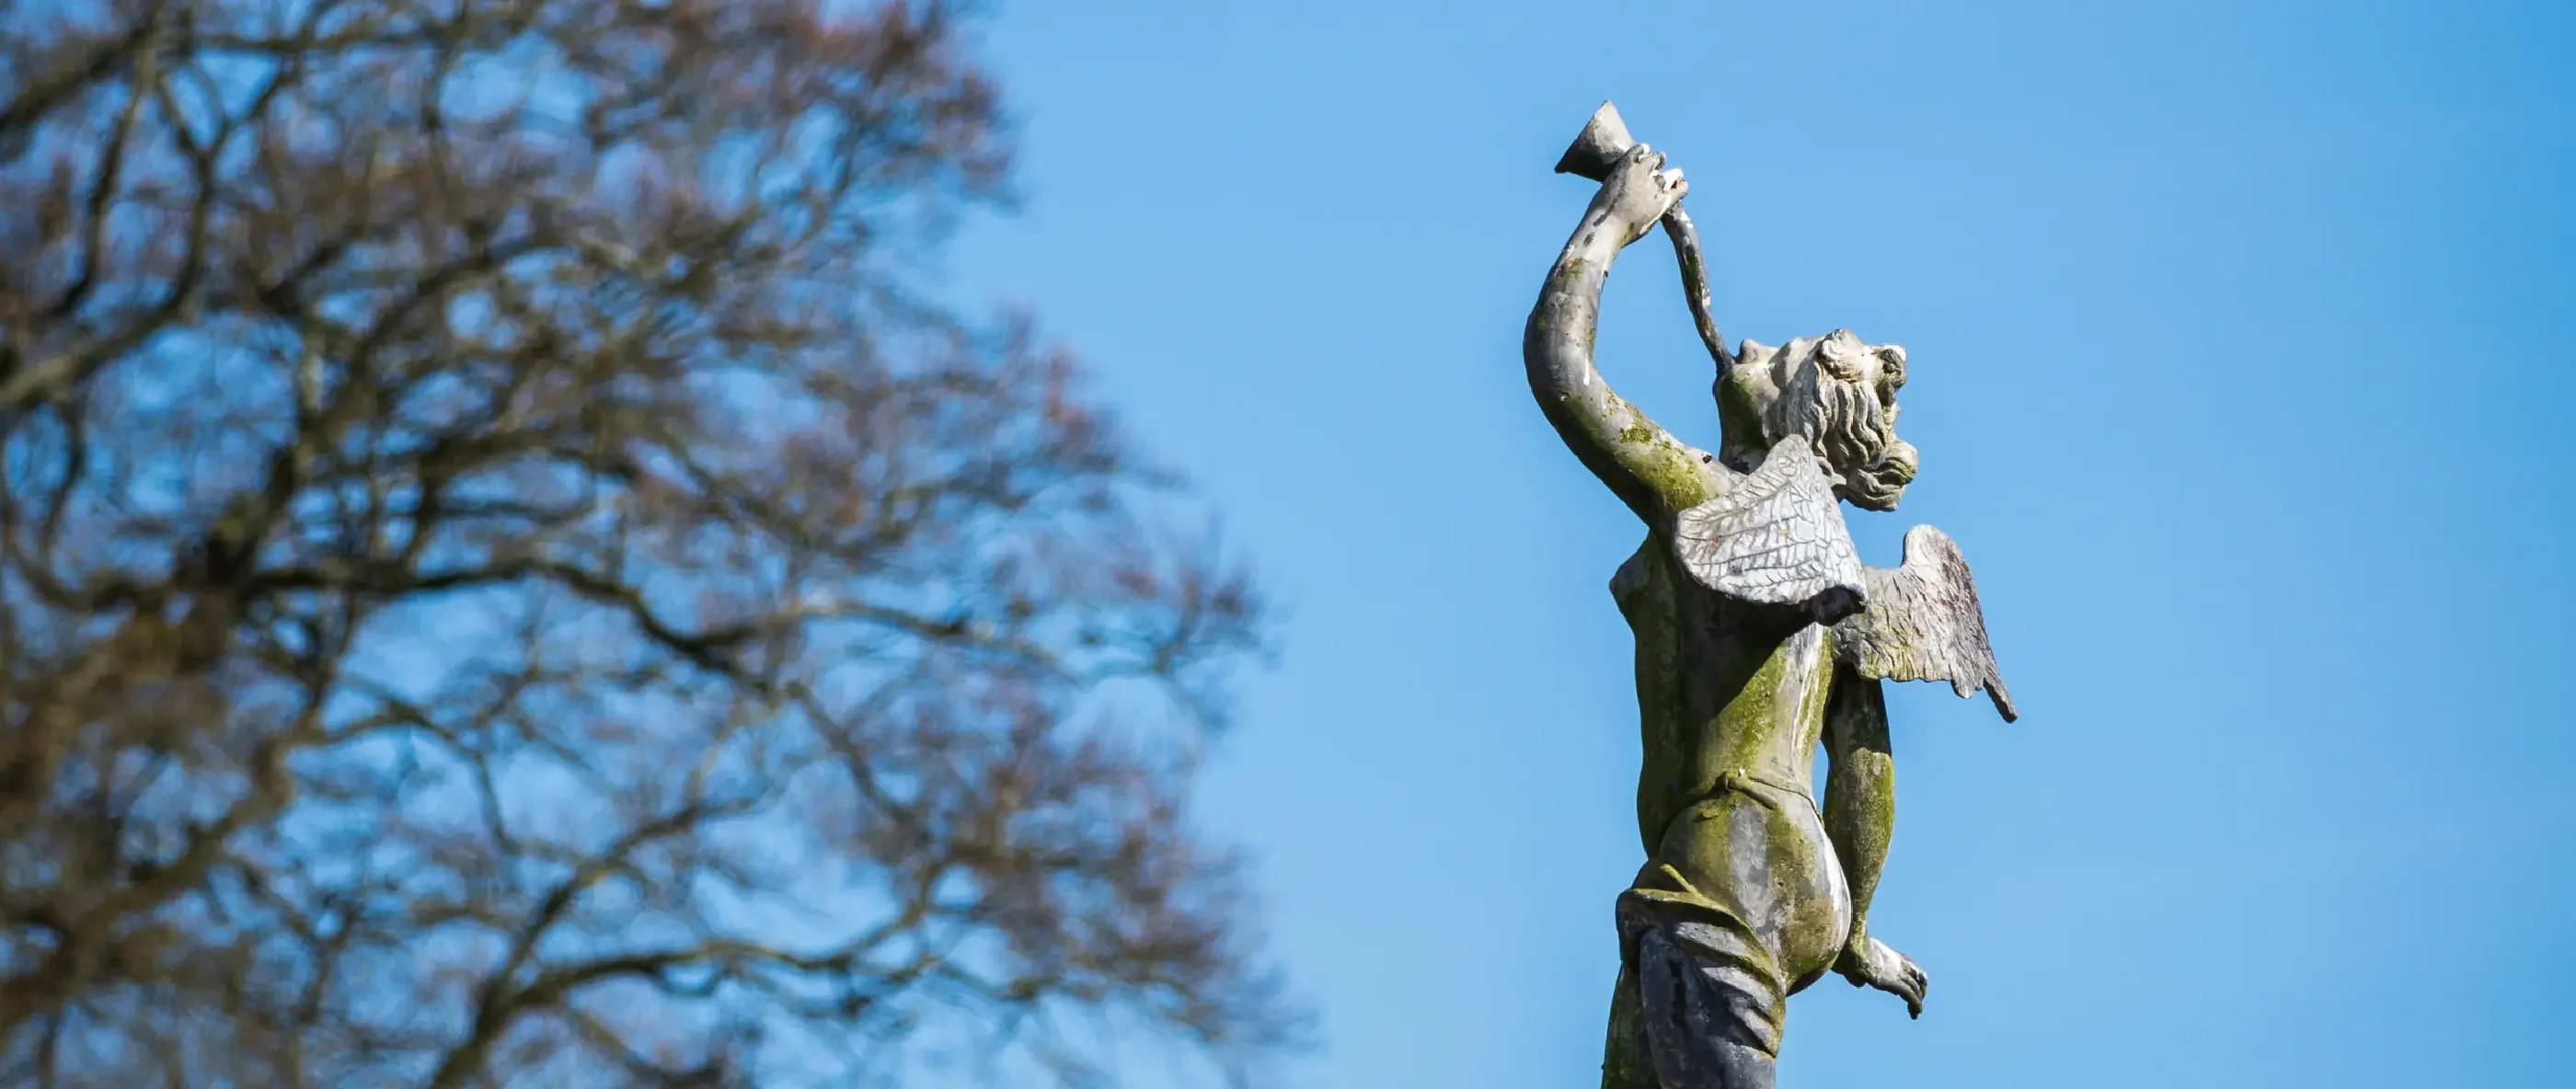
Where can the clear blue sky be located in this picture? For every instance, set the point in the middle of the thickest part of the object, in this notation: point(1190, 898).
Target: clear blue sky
point(2241, 371)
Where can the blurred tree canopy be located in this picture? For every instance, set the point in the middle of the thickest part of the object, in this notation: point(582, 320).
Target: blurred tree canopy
point(505, 581)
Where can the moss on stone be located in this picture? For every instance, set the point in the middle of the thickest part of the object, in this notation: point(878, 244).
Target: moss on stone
point(1665, 466)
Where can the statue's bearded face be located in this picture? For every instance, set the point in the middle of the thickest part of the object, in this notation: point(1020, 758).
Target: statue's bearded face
point(1841, 395)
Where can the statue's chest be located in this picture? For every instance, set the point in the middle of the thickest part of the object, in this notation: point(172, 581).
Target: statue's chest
point(1707, 665)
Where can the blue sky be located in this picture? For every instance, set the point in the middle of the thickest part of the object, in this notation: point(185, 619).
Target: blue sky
point(2240, 339)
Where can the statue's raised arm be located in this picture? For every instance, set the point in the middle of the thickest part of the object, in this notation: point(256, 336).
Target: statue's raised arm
point(1654, 473)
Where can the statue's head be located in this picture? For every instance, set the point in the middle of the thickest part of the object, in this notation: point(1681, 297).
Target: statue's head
point(1836, 391)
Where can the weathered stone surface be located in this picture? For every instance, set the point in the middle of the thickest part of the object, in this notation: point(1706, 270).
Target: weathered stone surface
point(1923, 623)
point(1776, 538)
point(1759, 635)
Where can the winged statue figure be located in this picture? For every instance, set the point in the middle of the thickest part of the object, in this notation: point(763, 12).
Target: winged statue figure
point(1759, 634)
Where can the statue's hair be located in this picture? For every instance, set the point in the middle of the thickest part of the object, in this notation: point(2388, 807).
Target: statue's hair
point(1825, 393)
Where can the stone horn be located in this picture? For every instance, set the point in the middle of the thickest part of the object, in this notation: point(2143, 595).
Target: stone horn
point(1604, 139)
point(1598, 149)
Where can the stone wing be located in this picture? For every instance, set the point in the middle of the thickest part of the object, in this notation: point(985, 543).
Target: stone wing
point(1776, 538)
point(1922, 623)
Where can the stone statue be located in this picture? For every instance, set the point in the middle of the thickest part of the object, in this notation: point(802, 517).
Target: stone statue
point(1758, 633)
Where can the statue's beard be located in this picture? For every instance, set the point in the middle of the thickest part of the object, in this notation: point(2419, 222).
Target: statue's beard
point(1849, 430)
point(1879, 484)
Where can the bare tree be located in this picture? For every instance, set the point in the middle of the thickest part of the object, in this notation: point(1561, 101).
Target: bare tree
point(501, 582)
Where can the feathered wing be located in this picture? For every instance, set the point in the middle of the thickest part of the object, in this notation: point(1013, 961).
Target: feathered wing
point(1922, 623)
point(1776, 538)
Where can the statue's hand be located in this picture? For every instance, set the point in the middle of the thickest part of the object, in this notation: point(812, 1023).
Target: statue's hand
point(1869, 962)
point(1638, 192)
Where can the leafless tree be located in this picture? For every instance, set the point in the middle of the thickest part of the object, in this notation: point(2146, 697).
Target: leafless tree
point(503, 581)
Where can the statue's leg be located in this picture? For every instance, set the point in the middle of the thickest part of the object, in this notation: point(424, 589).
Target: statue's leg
point(1625, 1062)
point(1708, 996)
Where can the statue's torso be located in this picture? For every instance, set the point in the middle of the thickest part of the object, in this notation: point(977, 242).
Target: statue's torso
point(1723, 688)
point(1720, 687)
